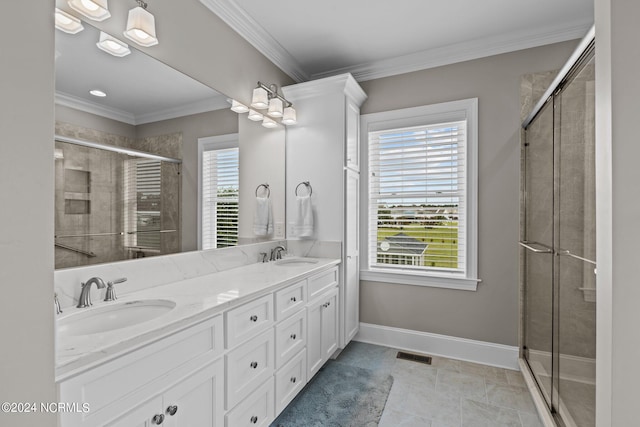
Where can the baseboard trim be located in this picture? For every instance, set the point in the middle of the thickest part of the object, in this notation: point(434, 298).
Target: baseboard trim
point(486, 353)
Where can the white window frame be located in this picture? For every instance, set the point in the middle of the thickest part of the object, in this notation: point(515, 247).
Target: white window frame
point(466, 109)
point(208, 143)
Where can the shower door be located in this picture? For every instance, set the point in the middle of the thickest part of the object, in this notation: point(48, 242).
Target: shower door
point(558, 257)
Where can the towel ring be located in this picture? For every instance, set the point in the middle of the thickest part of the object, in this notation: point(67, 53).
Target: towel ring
point(306, 184)
point(266, 186)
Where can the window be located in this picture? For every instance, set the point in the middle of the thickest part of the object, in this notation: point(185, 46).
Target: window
point(142, 185)
point(422, 186)
point(219, 191)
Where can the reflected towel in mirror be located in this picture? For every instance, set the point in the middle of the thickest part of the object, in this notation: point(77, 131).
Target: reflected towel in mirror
point(263, 218)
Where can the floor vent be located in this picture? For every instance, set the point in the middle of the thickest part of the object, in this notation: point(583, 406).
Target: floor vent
point(414, 357)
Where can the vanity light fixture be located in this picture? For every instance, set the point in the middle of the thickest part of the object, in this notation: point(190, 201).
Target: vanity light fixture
point(98, 93)
point(289, 116)
point(141, 26)
point(96, 10)
point(269, 123)
point(112, 45)
point(260, 99)
point(255, 116)
point(275, 107)
point(67, 23)
point(238, 107)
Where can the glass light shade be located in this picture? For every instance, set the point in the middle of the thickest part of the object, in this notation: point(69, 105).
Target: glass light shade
point(141, 27)
point(275, 107)
point(112, 46)
point(96, 10)
point(238, 107)
point(260, 99)
point(67, 23)
point(289, 116)
point(269, 123)
point(255, 116)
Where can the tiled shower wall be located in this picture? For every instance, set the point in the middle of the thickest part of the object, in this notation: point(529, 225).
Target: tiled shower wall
point(100, 208)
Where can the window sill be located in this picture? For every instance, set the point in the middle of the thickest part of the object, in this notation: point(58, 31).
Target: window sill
point(420, 279)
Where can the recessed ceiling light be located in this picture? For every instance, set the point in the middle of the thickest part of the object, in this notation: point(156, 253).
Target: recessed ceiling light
point(98, 93)
point(67, 23)
point(112, 46)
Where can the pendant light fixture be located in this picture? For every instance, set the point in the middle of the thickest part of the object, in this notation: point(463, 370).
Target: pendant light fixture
point(67, 23)
point(96, 10)
point(267, 97)
point(112, 46)
point(141, 26)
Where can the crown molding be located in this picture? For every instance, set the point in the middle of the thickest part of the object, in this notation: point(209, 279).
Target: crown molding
point(343, 83)
point(247, 27)
point(460, 52)
point(215, 103)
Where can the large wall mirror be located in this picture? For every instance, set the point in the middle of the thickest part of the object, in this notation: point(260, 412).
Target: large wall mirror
point(127, 158)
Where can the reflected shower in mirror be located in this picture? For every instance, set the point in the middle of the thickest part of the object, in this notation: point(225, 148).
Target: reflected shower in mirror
point(137, 103)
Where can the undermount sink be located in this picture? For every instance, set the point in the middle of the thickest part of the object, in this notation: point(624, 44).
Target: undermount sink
point(296, 262)
point(112, 316)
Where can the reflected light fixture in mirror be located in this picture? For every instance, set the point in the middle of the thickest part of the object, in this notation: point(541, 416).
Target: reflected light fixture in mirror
point(255, 116)
point(269, 123)
point(238, 107)
point(141, 26)
point(268, 97)
point(67, 23)
point(96, 10)
point(112, 46)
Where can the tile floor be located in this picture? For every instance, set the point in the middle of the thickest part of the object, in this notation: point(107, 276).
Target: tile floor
point(447, 393)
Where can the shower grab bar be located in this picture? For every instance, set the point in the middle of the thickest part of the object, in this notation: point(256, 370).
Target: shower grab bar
point(536, 247)
point(118, 233)
point(80, 251)
point(565, 252)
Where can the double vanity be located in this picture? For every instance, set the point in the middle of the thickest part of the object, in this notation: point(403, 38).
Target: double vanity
point(228, 348)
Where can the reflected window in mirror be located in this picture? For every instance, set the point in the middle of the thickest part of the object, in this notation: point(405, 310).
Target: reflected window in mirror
point(219, 184)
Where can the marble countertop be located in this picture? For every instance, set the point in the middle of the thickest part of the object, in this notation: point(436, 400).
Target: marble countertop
point(196, 299)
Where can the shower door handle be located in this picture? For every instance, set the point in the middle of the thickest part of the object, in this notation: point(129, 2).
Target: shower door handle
point(536, 247)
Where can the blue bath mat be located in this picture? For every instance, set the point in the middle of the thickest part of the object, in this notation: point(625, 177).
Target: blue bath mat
point(340, 395)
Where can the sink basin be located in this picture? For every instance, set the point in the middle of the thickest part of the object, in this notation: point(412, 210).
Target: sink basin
point(296, 262)
point(113, 316)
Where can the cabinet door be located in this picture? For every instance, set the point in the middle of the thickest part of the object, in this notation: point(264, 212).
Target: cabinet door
point(197, 400)
point(329, 324)
point(141, 416)
point(352, 122)
point(314, 337)
point(350, 299)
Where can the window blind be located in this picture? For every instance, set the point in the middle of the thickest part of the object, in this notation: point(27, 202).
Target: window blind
point(142, 188)
point(220, 187)
point(417, 198)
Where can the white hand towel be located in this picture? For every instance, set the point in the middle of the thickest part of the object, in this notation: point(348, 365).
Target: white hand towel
point(263, 218)
point(303, 225)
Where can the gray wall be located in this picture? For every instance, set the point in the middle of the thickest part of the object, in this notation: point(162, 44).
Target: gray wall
point(26, 216)
point(93, 121)
point(618, 211)
point(491, 313)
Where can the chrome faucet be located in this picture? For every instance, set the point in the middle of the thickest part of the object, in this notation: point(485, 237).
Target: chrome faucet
point(276, 253)
point(85, 297)
point(111, 291)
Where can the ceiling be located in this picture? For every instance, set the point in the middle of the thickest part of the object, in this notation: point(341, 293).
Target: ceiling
point(139, 88)
point(375, 38)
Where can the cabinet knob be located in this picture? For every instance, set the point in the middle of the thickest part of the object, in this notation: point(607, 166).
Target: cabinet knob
point(328, 303)
point(254, 419)
point(254, 318)
point(294, 299)
point(293, 336)
point(294, 379)
point(171, 410)
point(254, 365)
point(157, 419)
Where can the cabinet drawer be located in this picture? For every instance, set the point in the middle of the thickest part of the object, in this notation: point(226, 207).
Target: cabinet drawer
point(248, 320)
point(290, 380)
point(248, 366)
point(291, 337)
point(290, 300)
point(118, 386)
point(321, 282)
point(254, 411)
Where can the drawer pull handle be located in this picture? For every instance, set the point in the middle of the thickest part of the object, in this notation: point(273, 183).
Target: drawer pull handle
point(157, 419)
point(254, 420)
point(293, 379)
point(294, 299)
point(254, 318)
point(293, 336)
point(171, 410)
point(254, 365)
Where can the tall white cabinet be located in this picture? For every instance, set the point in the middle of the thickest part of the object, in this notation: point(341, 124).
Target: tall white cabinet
point(323, 149)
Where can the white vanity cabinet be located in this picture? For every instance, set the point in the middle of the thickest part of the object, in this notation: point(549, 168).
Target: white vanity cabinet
point(322, 330)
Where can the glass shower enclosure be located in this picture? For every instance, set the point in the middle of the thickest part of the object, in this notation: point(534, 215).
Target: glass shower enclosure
point(558, 246)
